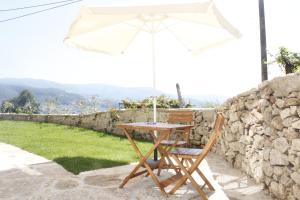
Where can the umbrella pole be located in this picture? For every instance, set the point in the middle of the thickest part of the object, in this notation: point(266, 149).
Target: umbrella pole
point(154, 76)
point(154, 86)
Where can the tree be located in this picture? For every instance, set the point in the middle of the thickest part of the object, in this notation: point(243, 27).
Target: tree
point(287, 60)
point(179, 96)
point(24, 103)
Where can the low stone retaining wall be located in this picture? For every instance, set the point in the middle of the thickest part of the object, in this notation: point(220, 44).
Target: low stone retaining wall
point(262, 135)
point(106, 121)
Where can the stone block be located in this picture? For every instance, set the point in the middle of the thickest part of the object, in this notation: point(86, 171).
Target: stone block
point(296, 191)
point(293, 110)
point(237, 127)
point(280, 103)
point(246, 139)
point(275, 111)
point(234, 146)
point(288, 122)
point(209, 114)
point(278, 190)
point(281, 144)
point(296, 177)
point(267, 169)
point(233, 116)
point(230, 137)
point(290, 133)
point(292, 102)
point(266, 153)
point(263, 103)
point(296, 124)
point(258, 174)
point(258, 142)
point(285, 180)
point(267, 115)
point(257, 115)
point(278, 171)
point(285, 113)
point(277, 123)
point(278, 158)
point(295, 145)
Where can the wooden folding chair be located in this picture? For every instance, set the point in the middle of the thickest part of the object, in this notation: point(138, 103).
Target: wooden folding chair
point(179, 117)
point(194, 158)
point(178, 138)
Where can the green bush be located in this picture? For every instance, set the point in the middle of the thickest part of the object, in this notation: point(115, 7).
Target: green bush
point(24, 103)
point(162, 102)
point(287, 60)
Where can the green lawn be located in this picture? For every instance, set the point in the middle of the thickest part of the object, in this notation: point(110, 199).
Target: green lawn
point(76, 149)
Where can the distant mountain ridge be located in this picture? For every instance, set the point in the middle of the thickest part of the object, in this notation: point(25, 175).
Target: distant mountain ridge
point(41, 94)
point(101, 90)
point(70, 93)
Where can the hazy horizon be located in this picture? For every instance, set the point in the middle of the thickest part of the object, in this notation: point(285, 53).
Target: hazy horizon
point(125, 87)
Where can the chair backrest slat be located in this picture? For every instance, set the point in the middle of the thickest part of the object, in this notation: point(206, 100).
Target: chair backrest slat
point(180, 117)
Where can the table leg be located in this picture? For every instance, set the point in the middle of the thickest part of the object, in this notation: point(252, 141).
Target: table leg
point(143, 161)
point(163, 151)
point(155, 154)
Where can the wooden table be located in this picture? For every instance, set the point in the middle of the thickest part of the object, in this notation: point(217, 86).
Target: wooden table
point(163, 130)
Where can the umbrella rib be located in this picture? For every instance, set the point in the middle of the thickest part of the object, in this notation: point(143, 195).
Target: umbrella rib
point(138, 27)
point(136, 33)
point(182, 43)
point(200, 49)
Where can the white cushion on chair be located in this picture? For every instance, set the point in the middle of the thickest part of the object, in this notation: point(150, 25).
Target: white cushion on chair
point(186, 151)
point(170, 142)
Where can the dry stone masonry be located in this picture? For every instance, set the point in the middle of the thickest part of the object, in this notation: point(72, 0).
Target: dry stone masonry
point(261, 135)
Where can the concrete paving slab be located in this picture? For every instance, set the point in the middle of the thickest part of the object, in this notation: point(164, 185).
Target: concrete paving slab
point(24, 175)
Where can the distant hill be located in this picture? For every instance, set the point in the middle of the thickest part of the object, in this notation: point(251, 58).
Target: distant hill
point(41, 94)
point(101, 90)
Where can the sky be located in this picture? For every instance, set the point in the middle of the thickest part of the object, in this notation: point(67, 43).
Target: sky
point(32, 47)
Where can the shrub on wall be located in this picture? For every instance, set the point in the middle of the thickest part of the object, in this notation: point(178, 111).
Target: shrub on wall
point(162, 102)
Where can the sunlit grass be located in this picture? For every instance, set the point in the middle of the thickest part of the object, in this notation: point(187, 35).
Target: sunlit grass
point(76, 149)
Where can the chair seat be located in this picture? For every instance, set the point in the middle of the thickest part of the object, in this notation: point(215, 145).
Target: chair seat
point(186, 151)
point(171, 142)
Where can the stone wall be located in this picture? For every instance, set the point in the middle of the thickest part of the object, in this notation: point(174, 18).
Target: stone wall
point(106, 121)
point(261, 135)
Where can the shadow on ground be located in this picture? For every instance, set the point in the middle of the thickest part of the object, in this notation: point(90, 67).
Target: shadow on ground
point(81, 164)
point(236, 184)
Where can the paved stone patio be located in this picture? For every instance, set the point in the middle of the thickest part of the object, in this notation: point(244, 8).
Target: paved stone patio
point(24, 175)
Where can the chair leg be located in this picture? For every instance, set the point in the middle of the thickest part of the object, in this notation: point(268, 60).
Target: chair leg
point(185, 177)
point(203, 177)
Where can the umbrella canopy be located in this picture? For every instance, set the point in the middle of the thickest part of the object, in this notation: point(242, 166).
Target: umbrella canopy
point(110, 30)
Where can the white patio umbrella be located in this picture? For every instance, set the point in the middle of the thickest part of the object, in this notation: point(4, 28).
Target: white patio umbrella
point(110, 30)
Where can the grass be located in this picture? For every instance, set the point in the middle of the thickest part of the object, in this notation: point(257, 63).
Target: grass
point(76, 149)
